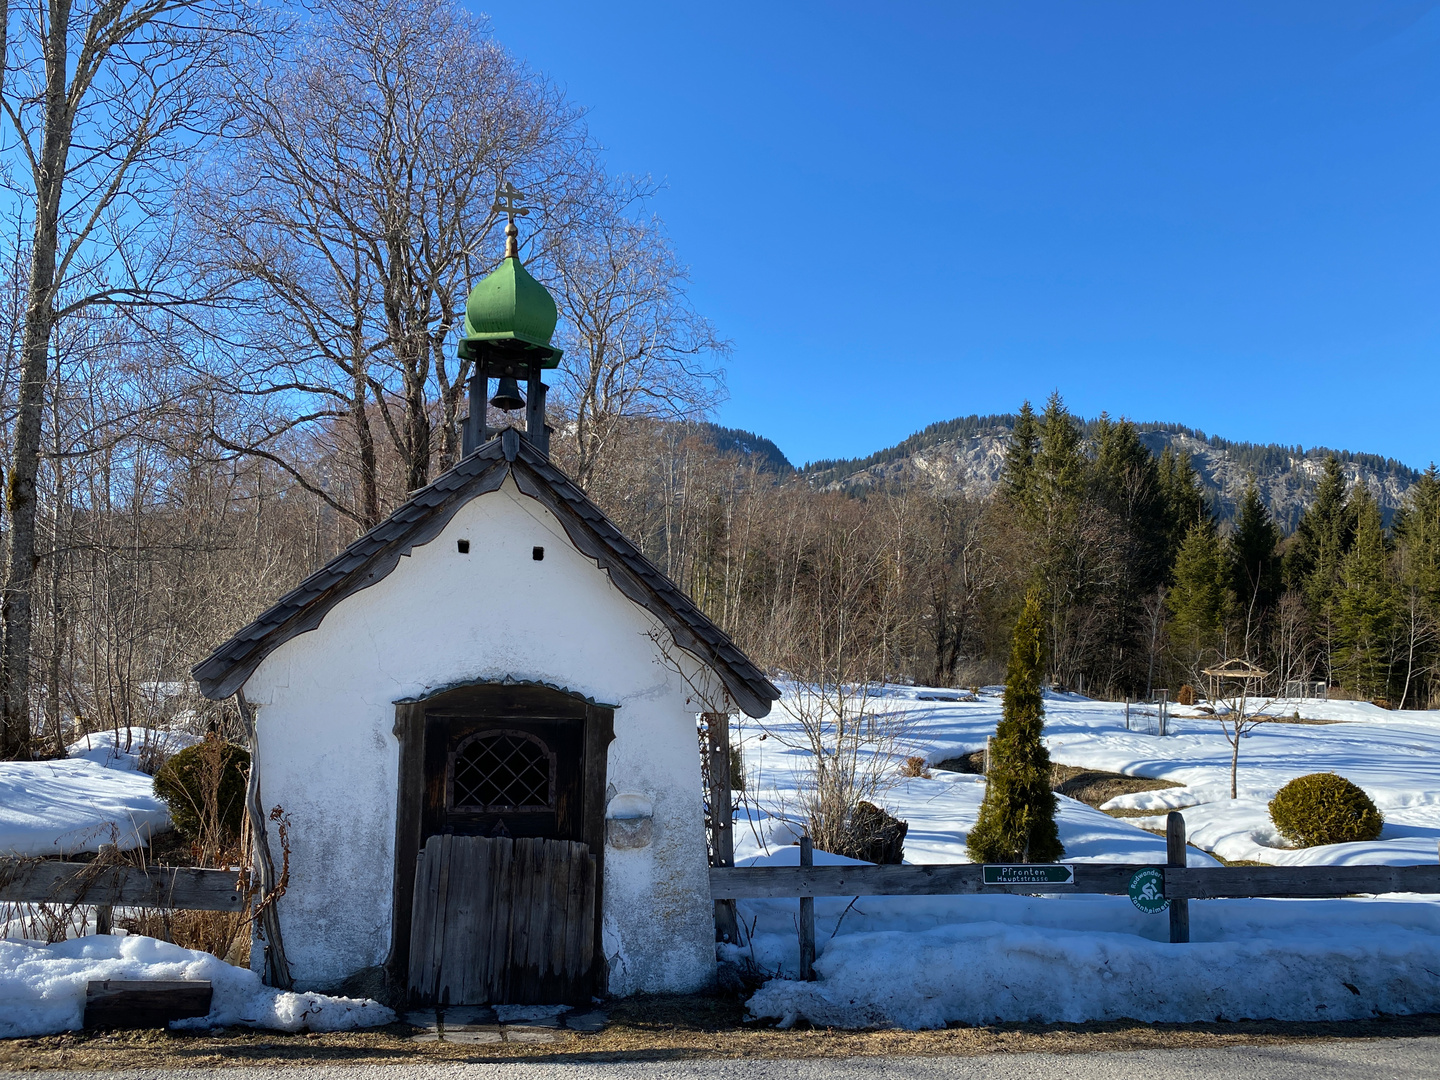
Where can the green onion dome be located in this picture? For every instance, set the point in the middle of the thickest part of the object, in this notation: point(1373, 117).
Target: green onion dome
point(509, 304)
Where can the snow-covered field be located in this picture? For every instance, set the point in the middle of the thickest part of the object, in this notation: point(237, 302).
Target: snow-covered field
point(95, 796)
point(925, 961)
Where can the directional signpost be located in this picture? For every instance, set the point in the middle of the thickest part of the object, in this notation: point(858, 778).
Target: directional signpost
point(1028, 874)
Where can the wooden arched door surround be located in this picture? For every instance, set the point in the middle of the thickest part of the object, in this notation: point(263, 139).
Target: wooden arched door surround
point(509, 759)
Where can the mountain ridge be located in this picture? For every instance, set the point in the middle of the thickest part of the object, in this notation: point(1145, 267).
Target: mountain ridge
point(967, 454)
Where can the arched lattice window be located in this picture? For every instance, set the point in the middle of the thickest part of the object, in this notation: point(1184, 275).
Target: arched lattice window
point(502, 771)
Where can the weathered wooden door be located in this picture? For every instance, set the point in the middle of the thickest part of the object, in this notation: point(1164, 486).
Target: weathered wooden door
point(503, 920)
point(500, 835)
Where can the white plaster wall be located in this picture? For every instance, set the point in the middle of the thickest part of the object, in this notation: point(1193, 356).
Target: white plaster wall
point(329, 757)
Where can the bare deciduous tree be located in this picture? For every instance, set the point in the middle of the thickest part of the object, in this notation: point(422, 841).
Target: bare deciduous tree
point(356, 209)
point(634, 344)
point(105, 100)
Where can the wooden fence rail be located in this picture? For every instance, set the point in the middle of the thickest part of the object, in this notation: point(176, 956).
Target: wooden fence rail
point(1193, 883)
point(1181, 883)
point(35, 881)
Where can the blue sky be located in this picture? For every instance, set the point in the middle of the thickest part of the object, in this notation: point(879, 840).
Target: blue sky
point(1226, 215)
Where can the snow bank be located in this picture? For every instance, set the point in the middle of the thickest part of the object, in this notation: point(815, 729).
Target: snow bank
point(986, 972)
point(95, 796)
point(124, 749)
point(42, 988)
point(73, 805)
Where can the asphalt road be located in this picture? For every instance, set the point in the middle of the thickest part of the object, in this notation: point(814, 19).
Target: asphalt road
point(1387, 1059)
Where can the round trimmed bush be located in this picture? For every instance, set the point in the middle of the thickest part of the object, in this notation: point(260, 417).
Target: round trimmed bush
point(204, 787)
point(1323, 808)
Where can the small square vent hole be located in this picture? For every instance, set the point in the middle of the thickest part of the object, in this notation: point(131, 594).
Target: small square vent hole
point(462, 546)
point(537, 553)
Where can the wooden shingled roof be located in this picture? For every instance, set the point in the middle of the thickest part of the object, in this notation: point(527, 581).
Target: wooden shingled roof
point(371, 557)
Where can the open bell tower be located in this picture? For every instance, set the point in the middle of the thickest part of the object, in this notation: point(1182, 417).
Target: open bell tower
point(509, 321)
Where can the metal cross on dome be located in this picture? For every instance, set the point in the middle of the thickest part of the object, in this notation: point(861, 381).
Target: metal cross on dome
point(507, 202)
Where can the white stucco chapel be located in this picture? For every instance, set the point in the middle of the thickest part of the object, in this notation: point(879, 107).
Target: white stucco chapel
point(479, 724)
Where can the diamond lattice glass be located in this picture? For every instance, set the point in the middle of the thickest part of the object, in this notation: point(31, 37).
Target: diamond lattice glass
point(502, 771)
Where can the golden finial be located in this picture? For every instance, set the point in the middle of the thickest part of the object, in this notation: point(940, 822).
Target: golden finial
point(507, 202)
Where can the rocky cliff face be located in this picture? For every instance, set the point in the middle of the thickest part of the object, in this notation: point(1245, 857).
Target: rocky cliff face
point(974, 463)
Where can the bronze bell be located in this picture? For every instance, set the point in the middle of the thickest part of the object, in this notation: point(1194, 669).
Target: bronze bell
point(507, 396)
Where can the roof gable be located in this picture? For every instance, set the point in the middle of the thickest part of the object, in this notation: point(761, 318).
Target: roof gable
point(424, 516)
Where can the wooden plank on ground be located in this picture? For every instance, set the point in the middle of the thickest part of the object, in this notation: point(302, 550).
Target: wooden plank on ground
point(749, 882)
point(1214, 882)
point(135, 1003)
point(187, 888)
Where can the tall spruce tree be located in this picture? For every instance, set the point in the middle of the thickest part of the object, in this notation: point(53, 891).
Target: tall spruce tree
point(1017, 817)
point(1200, 597)
point(1417, 537)
point(1060, 465)
point(1126, 480)
point(1365, 606)
point(1064, 551)
point(1018, 479)
point(1184, 500)
point(1255, 577)
point(1417, 530)
point(1322, 537)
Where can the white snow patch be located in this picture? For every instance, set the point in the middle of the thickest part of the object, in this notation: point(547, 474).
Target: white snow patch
point(42, 988)
point(95, 796)
point(124, 748)
point(995, 971)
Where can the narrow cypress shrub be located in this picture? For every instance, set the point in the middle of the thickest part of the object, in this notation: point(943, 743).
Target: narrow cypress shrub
point(1017, 818)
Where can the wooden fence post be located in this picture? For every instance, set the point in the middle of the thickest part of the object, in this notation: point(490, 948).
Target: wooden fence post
point(104, 913)
point(722, 825)
point(1175, 856)
point(986, 768)
point(807, 916)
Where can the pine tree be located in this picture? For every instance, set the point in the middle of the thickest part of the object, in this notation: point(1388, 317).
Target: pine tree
point(1017, 482)
point(1183, 498)
point(1323, 536)
point(1417, 529)
point(1199, 599)
point(1417, 536)
point(1017, 817)
point(1254, 564)
point(1365, 606)
point(1126, 482)
point(1322, 539)
point(1060, 465)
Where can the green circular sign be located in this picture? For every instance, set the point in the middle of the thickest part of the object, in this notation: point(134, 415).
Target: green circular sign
point(1147, 890)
